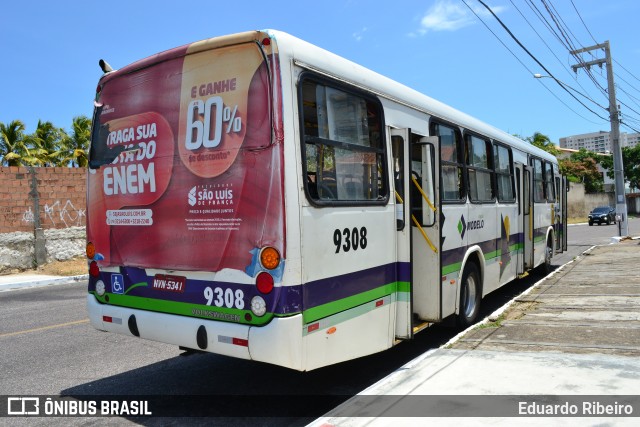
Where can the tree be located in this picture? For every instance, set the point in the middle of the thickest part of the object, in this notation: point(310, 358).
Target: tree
point(631, 165)
point(543, 142)
point(14, 148)
point(582, 167)
point(75, 147)
point(45, 144)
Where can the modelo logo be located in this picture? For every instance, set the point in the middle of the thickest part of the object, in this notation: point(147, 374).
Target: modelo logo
point(463, 225)
point(210, 197)
point(475, 224)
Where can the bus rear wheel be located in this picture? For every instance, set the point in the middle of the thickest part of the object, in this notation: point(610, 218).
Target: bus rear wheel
point(470, 296)
point(548, 254)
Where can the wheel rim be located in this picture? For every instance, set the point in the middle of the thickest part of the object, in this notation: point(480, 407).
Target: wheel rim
point(470, 296)
point(547, 257)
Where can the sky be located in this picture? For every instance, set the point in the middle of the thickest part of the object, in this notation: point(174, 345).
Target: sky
point(452, 50)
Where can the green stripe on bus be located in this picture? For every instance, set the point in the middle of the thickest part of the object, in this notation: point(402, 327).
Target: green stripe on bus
point(452, 268)
point(184, 309)
point(330, 308)
point(448, 269)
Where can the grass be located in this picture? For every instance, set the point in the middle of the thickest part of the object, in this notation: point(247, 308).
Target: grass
point(577, 220)
point(71, 267)
point(495, 324)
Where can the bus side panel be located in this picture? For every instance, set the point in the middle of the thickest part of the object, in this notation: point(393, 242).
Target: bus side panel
point(366, 332)
point(542, 222)
point(279, 342)
point(509, 246)
point(350, 280)
point(454, 247)
point(482, 230)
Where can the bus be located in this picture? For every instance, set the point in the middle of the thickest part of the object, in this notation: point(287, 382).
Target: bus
point(256, 196)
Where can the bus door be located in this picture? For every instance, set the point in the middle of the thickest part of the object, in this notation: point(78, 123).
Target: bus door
point(565, 212)
point(560, 225)
point(416, 178)
point(525, 201)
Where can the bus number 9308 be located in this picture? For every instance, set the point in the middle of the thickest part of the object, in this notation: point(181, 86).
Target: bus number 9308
point(350, 239)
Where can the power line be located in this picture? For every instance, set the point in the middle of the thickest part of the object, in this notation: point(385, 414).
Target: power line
point(583, 23)
point(533, 57)
point(629, 127)
point(496, 36)
point(630, 73)
point(545, 43)
point(560, 35)
point(560, 24)
point(567, 34)
point(568, 39)
point(523, 64)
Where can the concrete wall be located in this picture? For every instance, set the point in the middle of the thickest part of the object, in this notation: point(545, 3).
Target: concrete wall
point(42, 215)
point(580, 203)
point(61, 198)
point(633, 204)
point(17, 249)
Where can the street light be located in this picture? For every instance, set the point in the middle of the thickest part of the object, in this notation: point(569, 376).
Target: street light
point(563, 84)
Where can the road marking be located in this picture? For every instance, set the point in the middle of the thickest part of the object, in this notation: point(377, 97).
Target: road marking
point(44, 328)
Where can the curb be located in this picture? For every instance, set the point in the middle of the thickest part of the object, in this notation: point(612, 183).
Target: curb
point(42, 282)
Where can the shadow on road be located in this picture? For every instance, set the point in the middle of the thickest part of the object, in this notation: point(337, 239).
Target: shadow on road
point(219, 390)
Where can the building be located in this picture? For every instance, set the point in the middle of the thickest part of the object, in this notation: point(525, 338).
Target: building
point(598, 142)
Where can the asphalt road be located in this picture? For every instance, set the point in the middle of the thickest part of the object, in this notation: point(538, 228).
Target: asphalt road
point(47, 347)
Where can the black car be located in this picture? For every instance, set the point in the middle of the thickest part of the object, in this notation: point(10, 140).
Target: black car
point(602, 214)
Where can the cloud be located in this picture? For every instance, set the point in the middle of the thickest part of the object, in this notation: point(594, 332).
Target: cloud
point(452, 15)
point(358, 35)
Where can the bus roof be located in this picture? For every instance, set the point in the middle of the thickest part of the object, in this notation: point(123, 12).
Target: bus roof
point(320, 60)
point(315, 58)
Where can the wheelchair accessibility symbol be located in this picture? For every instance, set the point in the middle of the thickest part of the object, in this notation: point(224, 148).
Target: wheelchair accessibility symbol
point(117, 284)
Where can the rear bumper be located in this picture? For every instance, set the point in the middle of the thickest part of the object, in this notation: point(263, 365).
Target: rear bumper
point(279, 342)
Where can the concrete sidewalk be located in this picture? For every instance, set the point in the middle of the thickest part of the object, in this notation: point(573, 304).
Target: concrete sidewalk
point(30, 280)
point(575, 336)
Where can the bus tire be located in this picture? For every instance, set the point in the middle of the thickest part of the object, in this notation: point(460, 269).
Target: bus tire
point(548, 254)
point(470, 296)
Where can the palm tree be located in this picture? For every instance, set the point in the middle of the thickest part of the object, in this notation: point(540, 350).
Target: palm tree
point(76, 145)
point(13, 145)
point(46, 144)
point(542, 141)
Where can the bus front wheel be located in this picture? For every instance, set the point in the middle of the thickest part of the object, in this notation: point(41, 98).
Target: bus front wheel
point(470, 296)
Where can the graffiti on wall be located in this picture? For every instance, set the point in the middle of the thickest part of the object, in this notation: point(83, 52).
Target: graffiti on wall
point(58, 215)
point(27, 216)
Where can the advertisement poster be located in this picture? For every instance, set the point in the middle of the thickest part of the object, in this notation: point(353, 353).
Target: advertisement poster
point(196, 181)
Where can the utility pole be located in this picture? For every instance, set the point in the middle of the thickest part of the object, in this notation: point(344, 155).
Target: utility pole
point(618, 168)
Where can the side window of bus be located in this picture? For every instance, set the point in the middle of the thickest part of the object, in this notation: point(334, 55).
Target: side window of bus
point(548, 179)
point(503, 166)
point(538, 181)
point(397, 148)
point(343, 150)
point(479, 171)
point(451, 153)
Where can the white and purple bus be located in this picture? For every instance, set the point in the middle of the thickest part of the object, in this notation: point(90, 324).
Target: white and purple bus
point(256, 196)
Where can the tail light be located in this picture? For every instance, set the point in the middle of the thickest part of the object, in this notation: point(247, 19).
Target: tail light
point(94, 270)
point(264, 282)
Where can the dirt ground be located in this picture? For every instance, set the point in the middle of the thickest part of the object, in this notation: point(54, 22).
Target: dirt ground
point(72, 267)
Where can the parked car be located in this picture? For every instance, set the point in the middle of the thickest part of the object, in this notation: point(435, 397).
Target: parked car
point(602, 214)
